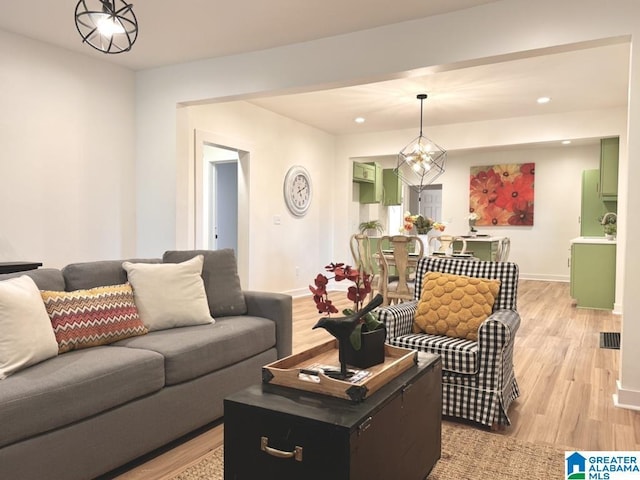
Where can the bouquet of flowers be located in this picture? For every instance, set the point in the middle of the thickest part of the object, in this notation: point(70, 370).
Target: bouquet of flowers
point(422, 224)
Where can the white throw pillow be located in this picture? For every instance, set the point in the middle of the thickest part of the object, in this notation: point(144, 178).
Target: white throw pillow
point(26, 334)
point(169, 295)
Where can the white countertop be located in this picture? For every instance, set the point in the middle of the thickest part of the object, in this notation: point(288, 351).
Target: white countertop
point(480, 238)
point(597, 240)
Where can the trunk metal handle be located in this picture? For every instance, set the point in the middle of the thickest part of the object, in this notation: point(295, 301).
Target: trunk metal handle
point(274, 452)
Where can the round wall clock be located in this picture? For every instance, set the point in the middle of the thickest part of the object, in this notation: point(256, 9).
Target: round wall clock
point(298, 190)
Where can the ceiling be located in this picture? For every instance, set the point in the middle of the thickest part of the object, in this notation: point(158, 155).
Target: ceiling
point(175, 32)
point(586, 79)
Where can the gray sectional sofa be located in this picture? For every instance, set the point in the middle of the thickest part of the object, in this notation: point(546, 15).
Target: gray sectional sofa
point(86, 412)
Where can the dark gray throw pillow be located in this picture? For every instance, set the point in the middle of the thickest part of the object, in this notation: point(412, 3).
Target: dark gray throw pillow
point(221, 280)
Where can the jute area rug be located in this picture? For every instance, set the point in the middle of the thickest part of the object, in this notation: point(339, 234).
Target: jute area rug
point(468, 453)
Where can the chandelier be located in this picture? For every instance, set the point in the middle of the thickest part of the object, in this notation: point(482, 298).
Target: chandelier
point(421, 161)
point(108, 26)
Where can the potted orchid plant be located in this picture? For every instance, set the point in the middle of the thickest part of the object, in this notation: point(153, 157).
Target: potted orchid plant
point(360, 354)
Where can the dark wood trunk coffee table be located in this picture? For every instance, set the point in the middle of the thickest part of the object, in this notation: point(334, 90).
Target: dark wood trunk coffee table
point(281, 433)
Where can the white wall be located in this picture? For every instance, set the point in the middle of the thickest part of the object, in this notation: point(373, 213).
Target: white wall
point(286, 256)
point(66, 155)
point(541, 251)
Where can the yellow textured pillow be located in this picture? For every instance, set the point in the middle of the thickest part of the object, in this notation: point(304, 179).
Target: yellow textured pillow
point(454, 305)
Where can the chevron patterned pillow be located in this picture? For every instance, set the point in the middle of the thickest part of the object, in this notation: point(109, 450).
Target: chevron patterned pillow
point(98, 316)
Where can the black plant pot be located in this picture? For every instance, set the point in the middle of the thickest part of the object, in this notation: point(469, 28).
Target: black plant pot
point(371, 351)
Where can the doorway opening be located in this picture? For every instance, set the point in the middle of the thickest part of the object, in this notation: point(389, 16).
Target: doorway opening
point(428, 203)
point(221, 197)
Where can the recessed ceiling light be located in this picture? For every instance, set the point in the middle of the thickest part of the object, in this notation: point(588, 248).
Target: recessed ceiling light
point(359, 120)
point(566, 142)
point(542, 100)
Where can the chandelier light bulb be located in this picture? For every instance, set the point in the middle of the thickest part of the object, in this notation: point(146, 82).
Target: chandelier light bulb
point(109, 26)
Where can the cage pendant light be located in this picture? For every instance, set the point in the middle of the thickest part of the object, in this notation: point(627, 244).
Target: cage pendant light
point(422, 160)
point(109, 26)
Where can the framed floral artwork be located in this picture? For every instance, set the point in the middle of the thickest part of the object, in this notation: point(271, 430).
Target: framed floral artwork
point(502, 194)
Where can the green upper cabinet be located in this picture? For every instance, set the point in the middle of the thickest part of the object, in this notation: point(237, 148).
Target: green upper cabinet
point(364, 172)
point(592, 207)
point(372, 192)
point(609, 150)
point(392, 187)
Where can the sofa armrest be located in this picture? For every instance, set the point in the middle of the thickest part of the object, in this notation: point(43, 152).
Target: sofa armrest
point(277, 307)
point(398, 319)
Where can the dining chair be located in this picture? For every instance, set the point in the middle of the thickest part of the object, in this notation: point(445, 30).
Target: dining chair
point(400, 253)
point(504, 246)
point(360, 245)
point(443, 243)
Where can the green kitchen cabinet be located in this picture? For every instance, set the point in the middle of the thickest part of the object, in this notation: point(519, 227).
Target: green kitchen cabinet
point(609, 152)
point(372, 192)
point(392, 187)
point(364, 172)
point(592, 207)
point(593, 275)
point(483, 248)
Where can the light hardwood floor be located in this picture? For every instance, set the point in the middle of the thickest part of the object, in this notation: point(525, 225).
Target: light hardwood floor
point(566, 380)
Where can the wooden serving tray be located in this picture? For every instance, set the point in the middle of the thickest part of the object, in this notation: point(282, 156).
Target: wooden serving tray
point(287, 371)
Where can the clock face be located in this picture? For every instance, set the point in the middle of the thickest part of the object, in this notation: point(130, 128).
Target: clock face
point(297, 190)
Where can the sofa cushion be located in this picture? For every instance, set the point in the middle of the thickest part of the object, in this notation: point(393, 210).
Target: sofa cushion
point(74, 386)
point(97, 316)
point(169, 295)
point(458, 354)
point(221, 280)
point(26, 336)
point(454, 305)
point(45, 278)
point(85, 275)
point(191, 352)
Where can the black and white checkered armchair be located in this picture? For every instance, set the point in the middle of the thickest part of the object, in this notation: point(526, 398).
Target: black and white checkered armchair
point(478, 382)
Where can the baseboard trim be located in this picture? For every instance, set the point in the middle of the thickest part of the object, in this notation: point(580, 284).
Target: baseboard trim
point(544, 277)
point(629, 399)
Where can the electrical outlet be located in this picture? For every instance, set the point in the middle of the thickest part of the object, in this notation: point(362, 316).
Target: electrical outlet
point(297, 272)
point(276, 220)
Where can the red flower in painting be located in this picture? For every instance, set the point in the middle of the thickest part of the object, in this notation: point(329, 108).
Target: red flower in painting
point(483, 187)
point(494, 215)
point(522, 214)
point(528, 169)
point(518, 191)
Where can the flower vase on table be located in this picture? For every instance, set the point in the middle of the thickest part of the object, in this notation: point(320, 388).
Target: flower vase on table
point(371, 351)
point(472, 218)
point(425, 241)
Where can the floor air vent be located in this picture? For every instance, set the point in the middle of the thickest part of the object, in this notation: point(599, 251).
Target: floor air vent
point(610, 340)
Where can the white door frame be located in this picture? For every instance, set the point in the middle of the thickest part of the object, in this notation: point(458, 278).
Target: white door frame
point(200, 179)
